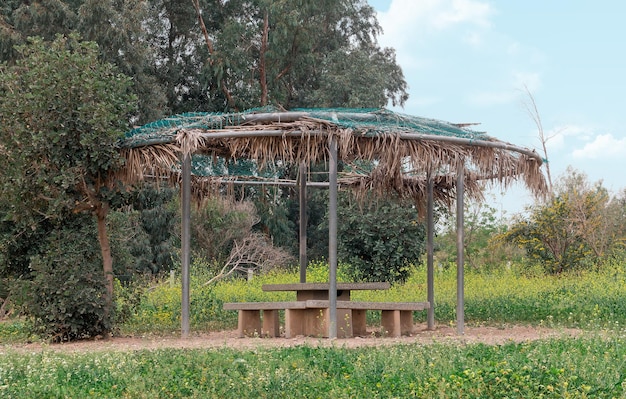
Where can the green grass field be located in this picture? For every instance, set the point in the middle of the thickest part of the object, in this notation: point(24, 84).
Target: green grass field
point(588, 300)
point(592, 365)
point(560, 368)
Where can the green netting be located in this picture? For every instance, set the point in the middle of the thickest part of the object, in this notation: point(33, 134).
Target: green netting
point(380, 120)
point(366, 121)
point(164, 130)
point(204, 165)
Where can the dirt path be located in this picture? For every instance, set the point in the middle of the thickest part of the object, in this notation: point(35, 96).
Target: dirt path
point(442, 334)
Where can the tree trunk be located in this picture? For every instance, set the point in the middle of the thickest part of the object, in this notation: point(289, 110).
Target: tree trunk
point(105, 248)
point(262, 70)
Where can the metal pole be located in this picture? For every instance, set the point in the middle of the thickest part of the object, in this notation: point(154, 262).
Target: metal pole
point(303, 221)
point(460, 267)
point(430, 266)
point(332, 238)
point(185, 243)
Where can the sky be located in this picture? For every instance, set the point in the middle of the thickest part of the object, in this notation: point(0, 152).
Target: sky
point(477, 60)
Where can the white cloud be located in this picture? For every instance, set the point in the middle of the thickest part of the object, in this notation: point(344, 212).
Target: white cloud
point(556, 137)
point(460, 11)
point(407, 21)
point(603, 146)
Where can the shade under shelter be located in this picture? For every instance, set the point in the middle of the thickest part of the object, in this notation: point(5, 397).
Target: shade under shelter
point(426, 160)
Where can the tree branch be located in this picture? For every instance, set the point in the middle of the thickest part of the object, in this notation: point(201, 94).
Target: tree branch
point(209, 44)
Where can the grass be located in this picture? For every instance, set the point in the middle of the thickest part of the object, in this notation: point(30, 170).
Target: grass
point(560, 368)
point(590, 366)
point(588, 300)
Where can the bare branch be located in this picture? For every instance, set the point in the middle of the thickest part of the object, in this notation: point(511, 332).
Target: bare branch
point(531, 108)
point(254, 252)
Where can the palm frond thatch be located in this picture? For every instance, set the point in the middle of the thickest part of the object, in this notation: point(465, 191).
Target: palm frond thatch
point(403, 151)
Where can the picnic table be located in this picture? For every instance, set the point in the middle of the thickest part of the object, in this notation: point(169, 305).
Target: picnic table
point(309, 314)
point(307, 291)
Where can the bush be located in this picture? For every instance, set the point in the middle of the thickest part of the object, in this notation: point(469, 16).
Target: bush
point(65, 299)
point(379, 241)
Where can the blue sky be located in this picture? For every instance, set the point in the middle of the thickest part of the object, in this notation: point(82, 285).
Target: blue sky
point(470, 60)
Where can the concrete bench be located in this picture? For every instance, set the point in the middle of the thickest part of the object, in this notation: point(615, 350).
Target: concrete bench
point(311, 317)
point(249, 322)
point(396, 317)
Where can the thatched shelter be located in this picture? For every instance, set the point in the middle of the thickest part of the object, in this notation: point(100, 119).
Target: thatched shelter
point(381, 151)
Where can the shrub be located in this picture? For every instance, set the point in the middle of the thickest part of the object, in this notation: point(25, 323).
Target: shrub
point(379, 241)
point(65, 299)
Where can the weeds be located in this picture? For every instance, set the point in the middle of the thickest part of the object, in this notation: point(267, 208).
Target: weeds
point(585, 367)
point(591, 300)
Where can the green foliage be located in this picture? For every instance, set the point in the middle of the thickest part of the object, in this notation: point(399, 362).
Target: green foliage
point(62, 112)
point(273, 206)
point(584, 367)
point(16, 331)
point(481, 225)
point(591, 300)
point(379, 240)
point(118, 26)
point(153, 305)
point(157, 221)
point(65, 297)
point(216, 224)
point(577, 227)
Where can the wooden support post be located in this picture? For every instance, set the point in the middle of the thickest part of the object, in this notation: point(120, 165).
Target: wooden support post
point(430, 266)
point(332, 237)
point(302, 179)
point(460, 265)
point(390, 322)
point(249, 323)
point(294, 322)
point(359, 322)
point(185, 243)
point(406, 322)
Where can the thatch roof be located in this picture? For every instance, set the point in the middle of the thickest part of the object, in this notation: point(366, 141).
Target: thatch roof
point(403, 150)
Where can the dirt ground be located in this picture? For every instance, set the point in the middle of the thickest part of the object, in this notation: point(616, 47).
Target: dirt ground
point(212, 340)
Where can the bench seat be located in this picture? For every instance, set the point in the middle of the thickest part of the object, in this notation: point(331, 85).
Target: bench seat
point(312, 317)
point(396, 317)
point(249, 322)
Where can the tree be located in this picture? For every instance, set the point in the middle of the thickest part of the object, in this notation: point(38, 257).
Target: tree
point(379, 239)
point(62, 112)
point(218, 223)
point(574, 229)
point(481, 224)
point(118, 26)
point(253, 52)
point(65, 302)
point(157, 220)
point(258, 52)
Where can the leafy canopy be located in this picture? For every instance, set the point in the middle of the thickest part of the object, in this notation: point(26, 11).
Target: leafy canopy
point(578, 226)
point(62, 113)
